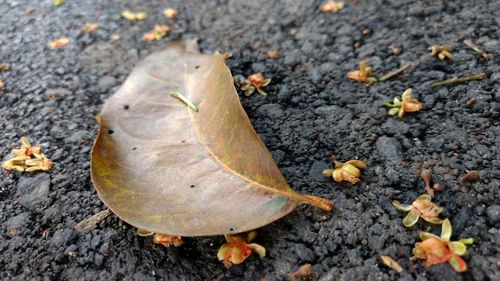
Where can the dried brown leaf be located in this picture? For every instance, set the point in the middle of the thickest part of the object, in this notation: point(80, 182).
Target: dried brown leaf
point(161, 166)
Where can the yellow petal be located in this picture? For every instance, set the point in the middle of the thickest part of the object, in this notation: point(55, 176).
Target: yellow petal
point(401, 207)
point(337, 175)
point(446, 230)
point(357, 163)
point(260, 250)
point(458, 248)
point(412, 218)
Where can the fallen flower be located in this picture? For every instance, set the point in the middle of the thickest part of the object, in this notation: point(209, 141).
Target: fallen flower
point(303, 272)
point(159, 31)
point(89, 27)
point(423, 208)
point(436, 250)
point(170, 13)
point(237, 249)
point(330, 6)
point(406, 104)
point(254, 82)
point(28, 158)
point(1, 85)
point(441, 51)
point(167, 240)
point(348, 171)
point(388, 261)
point(58, 2)
point(58, 43)
point(470, 176)
point(131, 16)
point(364, 74)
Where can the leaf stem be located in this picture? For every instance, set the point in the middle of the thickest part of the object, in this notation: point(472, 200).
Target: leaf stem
point(459, 80)
point(476, 48)
point(394, 73)
point(185, 100)
point(322, 203)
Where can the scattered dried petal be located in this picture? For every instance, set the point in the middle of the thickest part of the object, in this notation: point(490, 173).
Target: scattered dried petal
point(272, 54)
point(2, 84)
point(170, 13)
point(159, 31)
point(58, 43)
point(367, 31)
point(4, 67)
point(388, 261)
point(331, 6)
point(115, 37)
point(92, 221)
point(304, 271)
point(89, 27)
point(131, 16)
point(470, 176)
point(395, 50)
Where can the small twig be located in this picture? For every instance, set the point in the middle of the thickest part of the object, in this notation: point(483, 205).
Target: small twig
point(394, 73)
point(476, 48)
point(185, 100)
point(459, 80)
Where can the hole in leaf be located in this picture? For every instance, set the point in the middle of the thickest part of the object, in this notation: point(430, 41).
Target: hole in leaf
point(126, 106)
point(110, 131)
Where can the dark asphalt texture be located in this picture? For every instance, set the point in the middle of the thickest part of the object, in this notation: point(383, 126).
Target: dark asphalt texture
point(311, 113)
